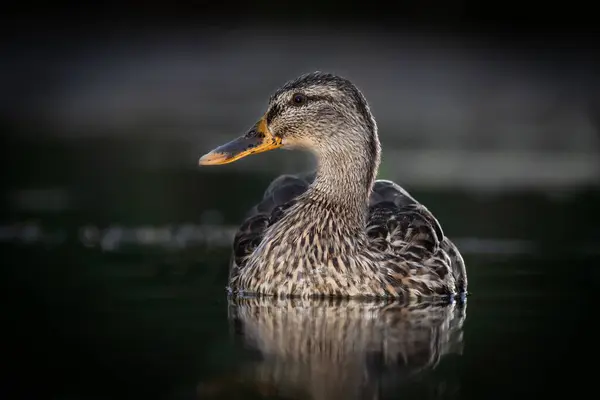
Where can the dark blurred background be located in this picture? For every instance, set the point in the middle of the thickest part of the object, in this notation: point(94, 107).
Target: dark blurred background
point(488, 113)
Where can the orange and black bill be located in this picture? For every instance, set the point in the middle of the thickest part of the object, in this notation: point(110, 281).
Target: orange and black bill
point(257, 140)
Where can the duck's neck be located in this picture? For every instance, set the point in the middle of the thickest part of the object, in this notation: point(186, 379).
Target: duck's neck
point(345, 177)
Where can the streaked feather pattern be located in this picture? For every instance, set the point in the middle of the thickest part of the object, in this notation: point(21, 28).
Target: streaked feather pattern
point(406, 243)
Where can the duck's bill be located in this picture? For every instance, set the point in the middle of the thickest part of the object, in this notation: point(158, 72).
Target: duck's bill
point(259, 139)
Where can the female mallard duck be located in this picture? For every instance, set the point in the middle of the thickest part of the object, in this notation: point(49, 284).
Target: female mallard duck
point(338, 232)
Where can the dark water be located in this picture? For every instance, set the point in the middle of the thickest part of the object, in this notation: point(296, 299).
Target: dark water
point(88, 315)
point(87, 324)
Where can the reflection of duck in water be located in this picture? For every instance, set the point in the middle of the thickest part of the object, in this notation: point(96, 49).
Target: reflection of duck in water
point(340, 349)
point(339, 232)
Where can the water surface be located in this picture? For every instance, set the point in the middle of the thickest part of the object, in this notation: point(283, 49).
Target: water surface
point(90, 324)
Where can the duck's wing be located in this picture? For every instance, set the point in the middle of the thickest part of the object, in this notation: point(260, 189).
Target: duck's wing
point(279, 196)
point(400, 224)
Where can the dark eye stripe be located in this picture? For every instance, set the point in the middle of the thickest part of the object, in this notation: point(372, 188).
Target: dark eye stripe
point(274, 112)
point(321, 97)
point(276, 109)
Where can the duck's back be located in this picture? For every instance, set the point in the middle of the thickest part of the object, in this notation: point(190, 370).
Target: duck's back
point(396, 222)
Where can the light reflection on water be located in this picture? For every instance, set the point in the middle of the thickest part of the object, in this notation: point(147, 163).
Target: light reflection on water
point(140, 311)
point(140, 325)
point(180, 236)
point(340, 349)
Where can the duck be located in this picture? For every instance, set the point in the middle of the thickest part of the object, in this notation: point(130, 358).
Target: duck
point(336, 232)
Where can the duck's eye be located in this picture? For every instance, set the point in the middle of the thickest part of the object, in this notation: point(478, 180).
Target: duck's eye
point(298, 99)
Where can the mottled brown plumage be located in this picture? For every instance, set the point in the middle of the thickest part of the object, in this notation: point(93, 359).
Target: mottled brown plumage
point(337, 231)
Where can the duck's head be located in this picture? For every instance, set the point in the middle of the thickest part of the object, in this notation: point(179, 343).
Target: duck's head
point(320, 112)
